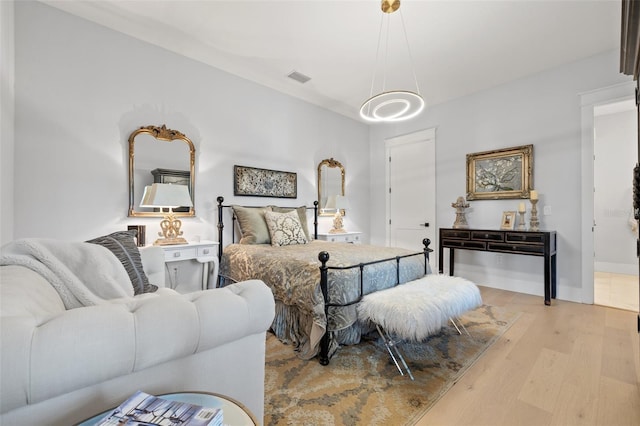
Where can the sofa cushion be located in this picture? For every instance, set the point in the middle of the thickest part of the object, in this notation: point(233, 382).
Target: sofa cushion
point(123, 245)
point(84, 346)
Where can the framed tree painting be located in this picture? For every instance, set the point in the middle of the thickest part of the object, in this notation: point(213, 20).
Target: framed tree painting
point(502, 173)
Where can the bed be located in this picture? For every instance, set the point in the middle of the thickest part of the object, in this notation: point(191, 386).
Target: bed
point(315, 284)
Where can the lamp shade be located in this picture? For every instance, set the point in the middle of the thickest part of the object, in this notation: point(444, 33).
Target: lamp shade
point(342, 202)
point(336, 202)
point(331, 202)
point(166, 195)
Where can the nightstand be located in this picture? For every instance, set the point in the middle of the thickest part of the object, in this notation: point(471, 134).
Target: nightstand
point(345, 237)
point(204, 252)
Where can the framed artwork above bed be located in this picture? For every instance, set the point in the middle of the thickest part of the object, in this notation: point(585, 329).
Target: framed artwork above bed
point(251, 181)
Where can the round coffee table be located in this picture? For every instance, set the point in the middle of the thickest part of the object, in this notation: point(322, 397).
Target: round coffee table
point(234, 413)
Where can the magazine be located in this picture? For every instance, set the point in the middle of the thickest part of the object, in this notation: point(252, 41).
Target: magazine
point(144, 409)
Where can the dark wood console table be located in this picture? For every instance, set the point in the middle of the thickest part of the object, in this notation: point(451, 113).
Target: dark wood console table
point(530, 243)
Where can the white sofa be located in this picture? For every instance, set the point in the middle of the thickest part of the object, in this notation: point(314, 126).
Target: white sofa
point(61, 366)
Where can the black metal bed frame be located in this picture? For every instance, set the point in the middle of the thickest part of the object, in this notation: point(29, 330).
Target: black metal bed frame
point(323, 257)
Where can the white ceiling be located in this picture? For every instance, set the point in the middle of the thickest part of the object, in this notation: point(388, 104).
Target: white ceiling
point(458, 47)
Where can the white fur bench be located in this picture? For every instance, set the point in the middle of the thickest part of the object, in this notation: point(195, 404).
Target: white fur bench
point(418, 309)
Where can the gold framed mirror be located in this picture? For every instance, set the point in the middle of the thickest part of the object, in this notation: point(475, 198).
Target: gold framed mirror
point(330, 183)
point(159, 155)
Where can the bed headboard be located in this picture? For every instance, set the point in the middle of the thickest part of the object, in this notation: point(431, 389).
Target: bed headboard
point(221, 208)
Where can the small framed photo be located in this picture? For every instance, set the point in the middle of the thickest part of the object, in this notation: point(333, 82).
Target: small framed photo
point(140, 234)
point(508, 220)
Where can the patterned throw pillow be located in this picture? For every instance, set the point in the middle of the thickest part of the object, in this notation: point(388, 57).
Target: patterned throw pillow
point(285, 228)
point(123, 245)
point(302, 214)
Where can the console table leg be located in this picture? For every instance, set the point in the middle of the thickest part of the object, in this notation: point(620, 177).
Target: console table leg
point(554, 273)
point(547, 280)
point(451, 256)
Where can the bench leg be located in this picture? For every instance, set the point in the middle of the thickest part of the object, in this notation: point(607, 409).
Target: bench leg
point(461, 325)
point(392, 346)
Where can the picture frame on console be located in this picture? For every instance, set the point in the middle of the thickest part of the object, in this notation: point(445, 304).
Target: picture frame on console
point(500, 174)
point(508, 220)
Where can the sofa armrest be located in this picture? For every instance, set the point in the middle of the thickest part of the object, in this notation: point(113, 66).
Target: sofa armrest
point(153, 264)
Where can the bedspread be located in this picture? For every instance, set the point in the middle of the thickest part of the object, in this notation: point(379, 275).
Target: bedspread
point(293, 274)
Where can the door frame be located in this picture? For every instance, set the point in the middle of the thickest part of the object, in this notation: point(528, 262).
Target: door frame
point(588, 101)
point(425, 135)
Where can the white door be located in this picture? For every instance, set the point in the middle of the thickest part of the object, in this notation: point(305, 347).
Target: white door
point(411, 196)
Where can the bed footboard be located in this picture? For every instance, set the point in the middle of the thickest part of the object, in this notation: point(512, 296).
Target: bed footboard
point(323, 257)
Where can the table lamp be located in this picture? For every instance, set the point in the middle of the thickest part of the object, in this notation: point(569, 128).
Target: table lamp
point(163, 196)
point(339, 203)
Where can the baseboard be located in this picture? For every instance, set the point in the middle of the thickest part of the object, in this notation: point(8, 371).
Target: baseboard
point(616, 268)
point(504, 280)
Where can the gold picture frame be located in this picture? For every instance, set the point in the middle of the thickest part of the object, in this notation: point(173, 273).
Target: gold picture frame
point(500, 174)
point(508, 220)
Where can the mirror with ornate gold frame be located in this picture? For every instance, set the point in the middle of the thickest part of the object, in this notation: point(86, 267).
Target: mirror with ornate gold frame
point(330, 183)
point(158, 154)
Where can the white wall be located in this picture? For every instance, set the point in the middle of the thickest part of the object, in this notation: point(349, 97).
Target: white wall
point(6, 119)
point(616, 154)
point(81, 89)
point(543, 110)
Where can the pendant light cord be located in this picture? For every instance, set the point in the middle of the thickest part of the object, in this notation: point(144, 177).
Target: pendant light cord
point(406, 39)
point(394, 105)
point(373, 78)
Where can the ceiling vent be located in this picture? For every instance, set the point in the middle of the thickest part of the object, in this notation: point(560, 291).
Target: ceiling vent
point(298, 76)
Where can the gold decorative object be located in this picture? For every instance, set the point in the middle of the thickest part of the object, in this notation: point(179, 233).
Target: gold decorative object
point(534, 223)
point(166, 195)
point(163, 135)
point(337, 203)
point(171, 233)
point(461, 220)
point(390, 6)
point(501, 173)
point(331, 177)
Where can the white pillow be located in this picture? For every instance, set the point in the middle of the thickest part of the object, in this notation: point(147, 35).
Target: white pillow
point(285, 228)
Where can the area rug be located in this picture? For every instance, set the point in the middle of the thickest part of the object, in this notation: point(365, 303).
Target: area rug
point(361, 385)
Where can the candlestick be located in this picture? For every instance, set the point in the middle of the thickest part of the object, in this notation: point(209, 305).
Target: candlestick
point(534, 223)
point(521, 225)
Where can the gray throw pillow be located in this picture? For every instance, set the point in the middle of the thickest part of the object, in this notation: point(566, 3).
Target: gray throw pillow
point(252, 224)
point(123, 245)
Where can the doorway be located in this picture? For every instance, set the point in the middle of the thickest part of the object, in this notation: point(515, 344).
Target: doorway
point(411, 191)
point(615, 231)
point(589, 102)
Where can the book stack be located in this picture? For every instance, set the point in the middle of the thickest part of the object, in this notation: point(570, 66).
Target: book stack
point(144, 409)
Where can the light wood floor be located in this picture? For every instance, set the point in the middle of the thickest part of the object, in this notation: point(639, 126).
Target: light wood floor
point(616, 290)
point(564, 364)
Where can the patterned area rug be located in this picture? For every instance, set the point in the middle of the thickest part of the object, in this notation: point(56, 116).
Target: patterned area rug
point(361, 385)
